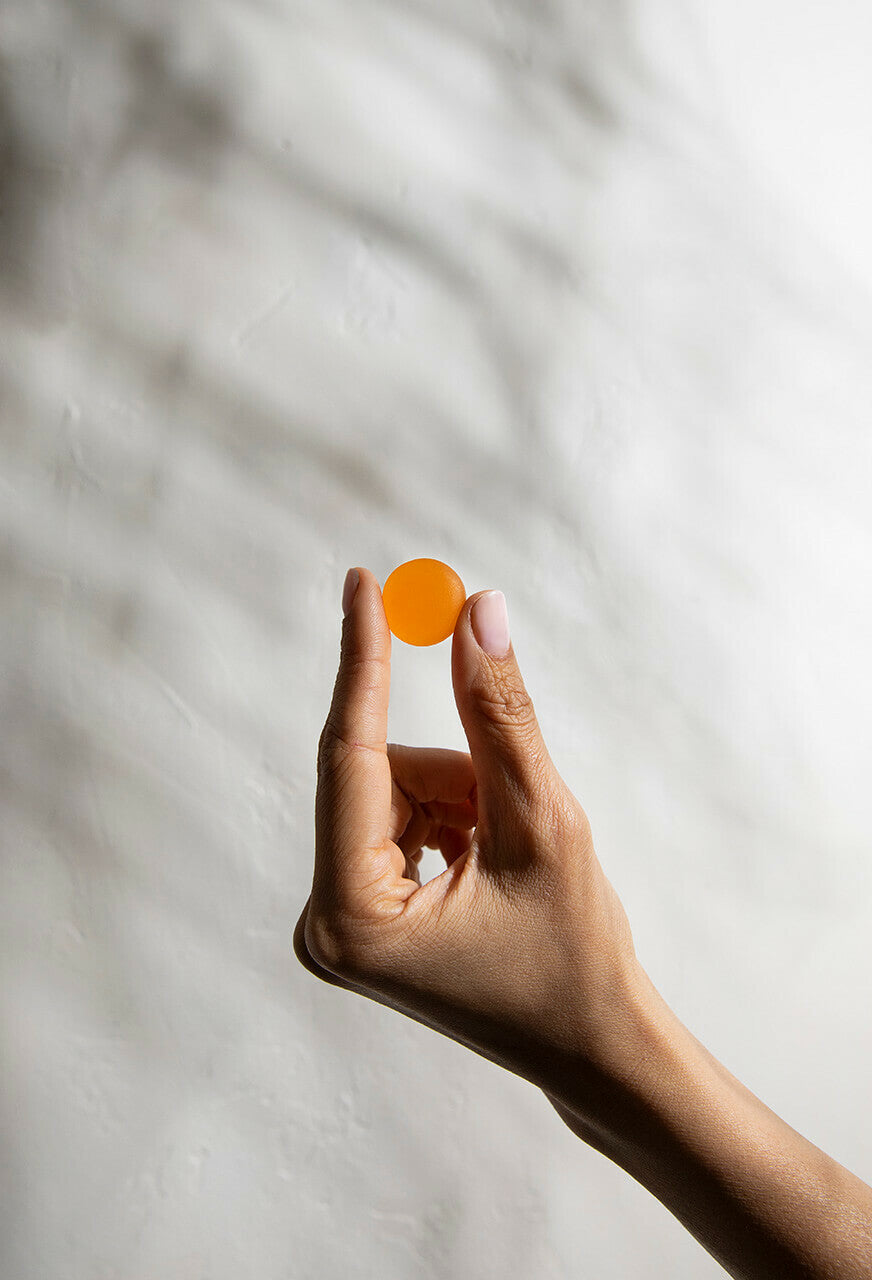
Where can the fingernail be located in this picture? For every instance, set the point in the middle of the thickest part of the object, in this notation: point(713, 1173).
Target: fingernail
point(352, 578)
point(490, 623)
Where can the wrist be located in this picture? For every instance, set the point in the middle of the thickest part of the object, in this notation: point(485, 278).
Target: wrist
point(606, 1093)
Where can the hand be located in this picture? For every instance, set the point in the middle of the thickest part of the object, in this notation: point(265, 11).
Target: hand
point(520, 949)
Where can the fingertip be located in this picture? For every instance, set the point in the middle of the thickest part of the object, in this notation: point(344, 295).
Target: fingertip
point(364, 623)
point(490, 624)
point(349, 590)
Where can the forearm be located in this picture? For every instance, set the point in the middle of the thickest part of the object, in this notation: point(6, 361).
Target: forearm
point(762, 1199)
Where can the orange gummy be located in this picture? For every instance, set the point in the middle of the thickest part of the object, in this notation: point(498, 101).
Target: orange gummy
point(422, 600)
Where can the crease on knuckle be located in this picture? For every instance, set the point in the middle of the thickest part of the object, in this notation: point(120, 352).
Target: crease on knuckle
point(353, 659)
point(333, 748)
point(353, 664)
point(507, 705)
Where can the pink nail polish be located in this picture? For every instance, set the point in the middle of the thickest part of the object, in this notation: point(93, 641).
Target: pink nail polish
point(490, 624)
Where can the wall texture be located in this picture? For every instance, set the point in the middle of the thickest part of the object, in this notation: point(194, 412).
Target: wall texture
point(576, 296)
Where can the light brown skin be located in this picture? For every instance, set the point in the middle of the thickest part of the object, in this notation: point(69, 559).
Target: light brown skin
point(521, 950)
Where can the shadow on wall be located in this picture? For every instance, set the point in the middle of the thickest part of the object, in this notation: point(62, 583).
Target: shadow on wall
point(111, 93)
point(68, 139)
point(28, 185)
point(111, 97)
point(62, 171)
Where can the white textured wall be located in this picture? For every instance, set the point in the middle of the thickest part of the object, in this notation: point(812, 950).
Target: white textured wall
point(576, 296)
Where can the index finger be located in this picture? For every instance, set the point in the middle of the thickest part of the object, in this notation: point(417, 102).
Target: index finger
point(433, 773)
point(353, 797)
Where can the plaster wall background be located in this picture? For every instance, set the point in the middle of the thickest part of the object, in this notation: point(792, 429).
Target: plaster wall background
point(575, 296)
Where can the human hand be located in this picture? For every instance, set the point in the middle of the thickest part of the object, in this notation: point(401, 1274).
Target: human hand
point(520, 949)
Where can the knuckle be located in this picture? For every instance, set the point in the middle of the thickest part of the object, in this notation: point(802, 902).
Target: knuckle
point(560, 821)
point(333, 748)
point(333, 946)
point(507, 704)
point(362, 672)
point(328, 742)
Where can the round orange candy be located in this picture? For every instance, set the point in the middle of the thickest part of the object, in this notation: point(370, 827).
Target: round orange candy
point(422, 600)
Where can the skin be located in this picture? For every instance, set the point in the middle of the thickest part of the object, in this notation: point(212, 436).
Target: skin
point(522, 951)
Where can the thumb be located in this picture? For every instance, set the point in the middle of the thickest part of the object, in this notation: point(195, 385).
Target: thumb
point(511, 762)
